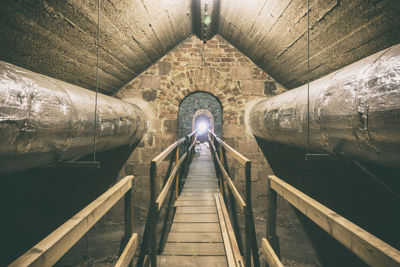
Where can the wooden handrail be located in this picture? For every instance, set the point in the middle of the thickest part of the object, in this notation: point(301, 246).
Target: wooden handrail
point(367, 247)
point(220, 162)
point(160, 157)
point(128, 253)
point(149, 246)
point(269, 254)
point(231, 185)
point(167, 186)
point(242, 159)
point(48, 251)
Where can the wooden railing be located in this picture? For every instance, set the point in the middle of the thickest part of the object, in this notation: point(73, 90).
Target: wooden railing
point(177, 169)
point(48, 251)
point(218, 151)
point(367, 247)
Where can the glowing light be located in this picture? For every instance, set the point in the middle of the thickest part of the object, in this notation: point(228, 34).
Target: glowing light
point(202, 127)
point(207, 20)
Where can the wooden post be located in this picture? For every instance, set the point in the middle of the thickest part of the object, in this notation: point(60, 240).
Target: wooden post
point(178, 173)
point(129, 218)
point(249, 216)
point(248, 213)
point(271, 218)
point(154, 211)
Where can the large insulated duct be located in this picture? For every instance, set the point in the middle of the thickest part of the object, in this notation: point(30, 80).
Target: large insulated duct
point(354, 112)
point(44, 120)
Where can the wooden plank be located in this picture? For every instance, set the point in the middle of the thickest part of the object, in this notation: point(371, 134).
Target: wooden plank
point(235, 248)
point(192, 261)
point(184, 203)
point(48, 251)
point(208, 209)
point(206, 217)
point(167, 186)
point(195, 227)
point(269, 254)
point(194, 249)
point(195, 237)
point(128, 253)
point(369, 248)
point(202, 190)
point(224, 233)
point(199, 197)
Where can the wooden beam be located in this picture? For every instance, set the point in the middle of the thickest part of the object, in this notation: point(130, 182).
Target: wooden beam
point(242, 159)
point(128, 253)
point(160, 157)
point(269, 254)
point(224, 232)
point(231, 185)
point(167, 186)
point(48, 251)
point(367, 247)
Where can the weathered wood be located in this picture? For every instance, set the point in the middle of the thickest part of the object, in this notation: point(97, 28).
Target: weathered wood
point(193, 261)
point(177, 176)
point(209, 209)
point(195, 218)
point(224, 232)
point(242, 159)
point(167, 186)
point(185, 203)
point(195, 227)
point(271, 218)
point(235, 248)
point(231, 185)
point(126, 257)
point(160, 157)
point(369, 248)
point(194, 249)
point(48, 251)
point(269, 254)
point(195, 237)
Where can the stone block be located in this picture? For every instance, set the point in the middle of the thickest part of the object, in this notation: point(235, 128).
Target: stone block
point(252, 87)
point(149, 95)
point(247, 146)
point(170, 126)
point(150, 82)
point(269, 88)
point(164, 68)
point(241, 73)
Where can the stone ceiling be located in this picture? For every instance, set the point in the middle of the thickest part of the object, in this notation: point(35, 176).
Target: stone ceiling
point(58, 38)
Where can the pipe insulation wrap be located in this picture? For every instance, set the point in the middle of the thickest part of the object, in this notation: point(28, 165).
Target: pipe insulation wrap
point(354, 112)
point(44, 120)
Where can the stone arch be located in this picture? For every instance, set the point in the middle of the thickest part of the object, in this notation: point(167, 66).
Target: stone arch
point(196, 103)
point(207, 79)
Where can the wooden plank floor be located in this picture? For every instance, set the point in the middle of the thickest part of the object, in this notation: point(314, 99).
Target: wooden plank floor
point(195, 238)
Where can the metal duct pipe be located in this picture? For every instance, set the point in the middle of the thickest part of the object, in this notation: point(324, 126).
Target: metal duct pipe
point(44, 120)
point(354, 112)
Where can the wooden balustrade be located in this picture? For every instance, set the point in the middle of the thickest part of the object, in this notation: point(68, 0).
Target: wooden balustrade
point(367, 247)
point(178, 169)
point(218, 150)
point(48, 251)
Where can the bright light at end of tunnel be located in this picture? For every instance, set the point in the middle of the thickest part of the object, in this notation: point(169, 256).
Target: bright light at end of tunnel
point(203, 126)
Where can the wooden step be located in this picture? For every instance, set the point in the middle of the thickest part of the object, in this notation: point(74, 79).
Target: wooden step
point(193, 210)
point(194, 249)
point(196, 218)
point(195, 237)
point(195, 227)
point(191, 261)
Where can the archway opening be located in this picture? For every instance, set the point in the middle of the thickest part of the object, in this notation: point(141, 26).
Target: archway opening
point(199, 110)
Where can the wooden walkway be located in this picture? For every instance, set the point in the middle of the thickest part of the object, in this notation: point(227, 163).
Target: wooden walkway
point(195, 238)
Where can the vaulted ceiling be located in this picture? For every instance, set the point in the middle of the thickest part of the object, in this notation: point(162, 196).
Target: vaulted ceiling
point(58, 37)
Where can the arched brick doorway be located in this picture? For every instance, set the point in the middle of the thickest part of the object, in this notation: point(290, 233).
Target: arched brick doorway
point(199, 105)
